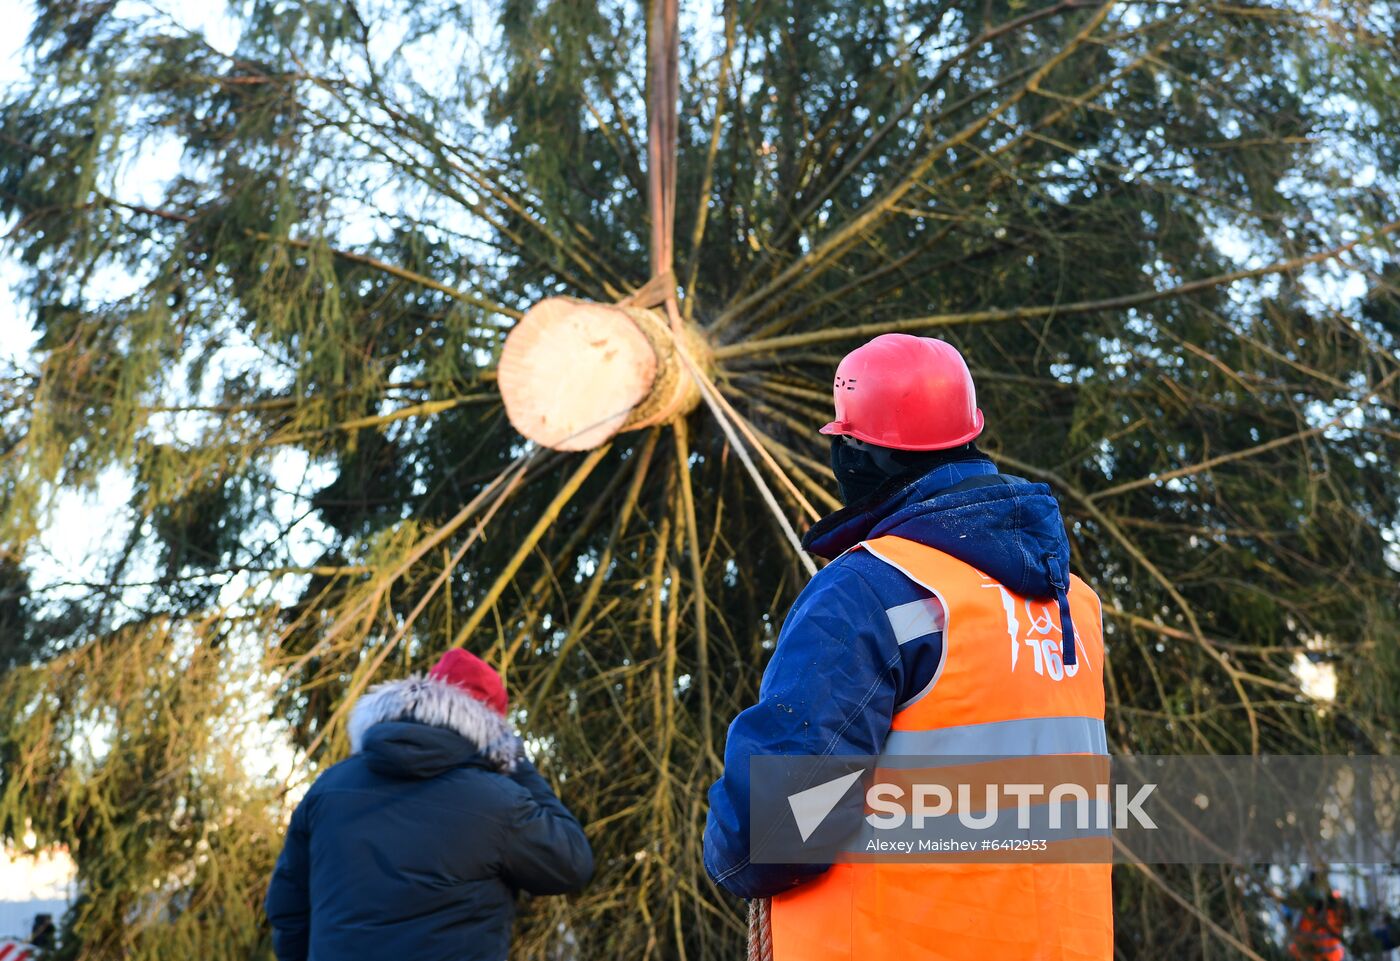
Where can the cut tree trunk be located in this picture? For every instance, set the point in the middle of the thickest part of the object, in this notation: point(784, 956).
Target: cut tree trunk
point(574, 373)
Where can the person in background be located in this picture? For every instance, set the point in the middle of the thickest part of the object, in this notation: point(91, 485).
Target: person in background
point(43, 934)
point(41, 941)
point(1318, 923)
point(1319, 917)
point(415, 846)
point(1387, 935)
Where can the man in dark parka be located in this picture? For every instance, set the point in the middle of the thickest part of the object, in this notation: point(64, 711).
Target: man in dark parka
point(415, 846)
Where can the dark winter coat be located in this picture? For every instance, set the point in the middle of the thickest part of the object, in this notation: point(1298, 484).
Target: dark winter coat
point(414, 847)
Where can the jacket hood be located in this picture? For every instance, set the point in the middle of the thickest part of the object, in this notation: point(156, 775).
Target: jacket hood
point(419, 727)
point(1005, 526)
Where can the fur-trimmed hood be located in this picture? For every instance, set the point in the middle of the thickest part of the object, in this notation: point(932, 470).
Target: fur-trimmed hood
point(436, 704)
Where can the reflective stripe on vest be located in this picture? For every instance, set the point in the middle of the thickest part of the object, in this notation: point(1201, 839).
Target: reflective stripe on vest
point(1023, 737)
point(1002, 690)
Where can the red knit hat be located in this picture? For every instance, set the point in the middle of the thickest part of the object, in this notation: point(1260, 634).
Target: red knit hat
point(470, 673)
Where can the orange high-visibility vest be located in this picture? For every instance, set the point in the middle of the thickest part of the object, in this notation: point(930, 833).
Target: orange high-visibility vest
point(1317, 936)
point(1002, 689)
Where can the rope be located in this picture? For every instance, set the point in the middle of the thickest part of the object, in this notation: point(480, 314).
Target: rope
point(519, 467)
point(760, 930)
point(748, 433)
point(663, 54)
point(662, 97)
point(382, 583)
point(709, 394)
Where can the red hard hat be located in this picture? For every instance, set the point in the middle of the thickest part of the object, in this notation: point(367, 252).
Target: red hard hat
point(905, 392)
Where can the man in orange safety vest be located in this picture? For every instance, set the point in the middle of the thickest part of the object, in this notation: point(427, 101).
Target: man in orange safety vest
point(947, 623)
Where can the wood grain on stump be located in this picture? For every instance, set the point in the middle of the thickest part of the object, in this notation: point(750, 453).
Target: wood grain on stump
point(574, 373)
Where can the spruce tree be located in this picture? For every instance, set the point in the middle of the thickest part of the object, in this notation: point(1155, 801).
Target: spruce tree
point(1162, 233)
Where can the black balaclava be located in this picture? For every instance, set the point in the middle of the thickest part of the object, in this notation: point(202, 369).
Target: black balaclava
point(861, 469)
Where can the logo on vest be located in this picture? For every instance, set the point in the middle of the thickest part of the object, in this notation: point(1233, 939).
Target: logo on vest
point(1033, 626)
